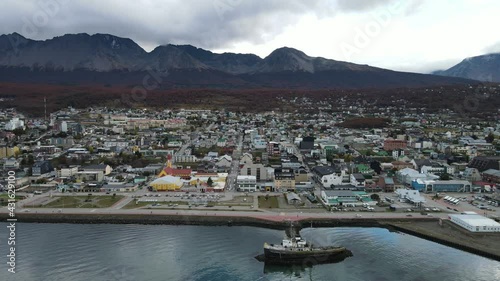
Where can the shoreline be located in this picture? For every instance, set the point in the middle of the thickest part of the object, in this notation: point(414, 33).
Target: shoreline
point(425, 228)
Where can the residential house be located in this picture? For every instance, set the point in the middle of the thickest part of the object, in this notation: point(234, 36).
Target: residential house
point(41, 167)
point(358, 180)
point(11, 164)
point(105, 169)
point(292, 198)
point(246, 158)
point(224, 162)
point(222, 142)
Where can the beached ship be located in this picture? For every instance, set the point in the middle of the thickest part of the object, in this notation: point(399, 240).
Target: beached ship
point(295, 250)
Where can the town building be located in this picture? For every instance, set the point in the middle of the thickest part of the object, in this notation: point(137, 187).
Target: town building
point(410, 196)
point(284, 179)
point(483, 163)
point(329, 176)
point(41, 167)
point(167, 183)
point(257, 170)
point(339, 197)
point(392, 144)
point(386, 184)
point(442, 186)
point(491, 175)
point(475, 222)
point(246, 183)
point(273, 148)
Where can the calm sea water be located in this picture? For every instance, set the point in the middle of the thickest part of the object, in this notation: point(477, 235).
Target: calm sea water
point(68, 252)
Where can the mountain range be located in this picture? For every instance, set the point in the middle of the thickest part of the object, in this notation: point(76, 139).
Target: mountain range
point(482, 68)
point(104, 59)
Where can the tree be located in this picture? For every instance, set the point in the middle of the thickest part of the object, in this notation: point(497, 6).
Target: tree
point(375, 165)
point(18, 131)
point(490, 138)
point(444, 177)
point(210, 182)
point(375, 197)
point(31, 160)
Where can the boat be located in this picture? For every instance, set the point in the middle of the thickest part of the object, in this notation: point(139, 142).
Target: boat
point(295, 250)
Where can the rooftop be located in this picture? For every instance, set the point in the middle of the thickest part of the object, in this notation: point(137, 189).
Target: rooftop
point(476, 220)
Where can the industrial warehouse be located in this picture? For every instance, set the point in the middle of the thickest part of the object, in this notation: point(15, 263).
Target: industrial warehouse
point(475, 223)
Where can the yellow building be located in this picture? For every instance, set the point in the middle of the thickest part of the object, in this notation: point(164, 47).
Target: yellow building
point(7, 152)
point(167, 183)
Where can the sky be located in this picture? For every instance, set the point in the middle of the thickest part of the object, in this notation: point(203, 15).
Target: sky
point(406, 35)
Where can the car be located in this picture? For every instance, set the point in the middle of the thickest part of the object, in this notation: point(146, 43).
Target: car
point(409, 215)
point(27, 210)
point(358, 215)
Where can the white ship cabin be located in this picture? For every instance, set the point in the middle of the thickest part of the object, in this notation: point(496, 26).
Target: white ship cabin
point(296, 242)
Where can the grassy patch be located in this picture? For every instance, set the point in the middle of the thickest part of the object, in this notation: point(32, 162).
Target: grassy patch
point(237, 201)
point(4, 199)
point(269, 203)
point(83, 202)
point(137, 205)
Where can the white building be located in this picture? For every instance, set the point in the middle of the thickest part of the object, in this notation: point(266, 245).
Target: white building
point(246, 183)
point(15, 123)
point(64, 126)
point(475, 223)
point(411, 196)
point(67, 172)
point(329, 176)
point(407, 175)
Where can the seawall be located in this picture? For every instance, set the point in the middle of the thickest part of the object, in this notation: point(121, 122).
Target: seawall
point(405, 225)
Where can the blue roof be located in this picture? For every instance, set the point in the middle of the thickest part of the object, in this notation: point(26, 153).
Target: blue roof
point(388, 180)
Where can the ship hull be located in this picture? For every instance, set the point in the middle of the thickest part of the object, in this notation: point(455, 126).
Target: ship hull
point(305, 258)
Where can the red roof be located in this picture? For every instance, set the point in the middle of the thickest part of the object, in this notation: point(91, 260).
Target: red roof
point(482, 183)
point(177, 172)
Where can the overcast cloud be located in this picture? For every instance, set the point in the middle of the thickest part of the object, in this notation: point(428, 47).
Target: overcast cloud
point(406, 35)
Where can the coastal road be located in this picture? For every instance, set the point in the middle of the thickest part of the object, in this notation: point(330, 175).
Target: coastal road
point(260, 215)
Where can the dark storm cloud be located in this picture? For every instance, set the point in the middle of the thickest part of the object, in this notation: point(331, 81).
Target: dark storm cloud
point(208, 24)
